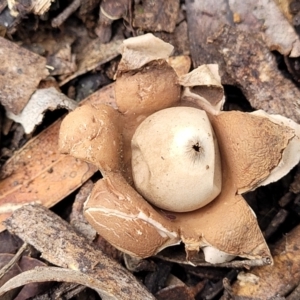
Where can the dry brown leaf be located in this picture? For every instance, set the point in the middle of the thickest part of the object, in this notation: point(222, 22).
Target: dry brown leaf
point(20, 74)
point(62, 246)
point(41, 101)
point(277, 280)
point(38, 173)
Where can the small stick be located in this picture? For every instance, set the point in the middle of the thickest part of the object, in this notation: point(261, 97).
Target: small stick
point(56, 22)
point(12, 262)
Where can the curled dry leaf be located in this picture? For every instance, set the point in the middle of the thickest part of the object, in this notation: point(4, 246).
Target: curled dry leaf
point(224, 228)
point(46, 274)
point(41, 101)
point(137, 53)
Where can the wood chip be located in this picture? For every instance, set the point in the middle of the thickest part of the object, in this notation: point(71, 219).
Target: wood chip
point(62, 246)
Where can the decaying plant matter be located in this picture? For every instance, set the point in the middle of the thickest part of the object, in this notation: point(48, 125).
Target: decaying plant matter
point(255, 149)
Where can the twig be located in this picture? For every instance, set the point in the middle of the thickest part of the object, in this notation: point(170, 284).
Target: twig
point(12, 262)
point(56, 22)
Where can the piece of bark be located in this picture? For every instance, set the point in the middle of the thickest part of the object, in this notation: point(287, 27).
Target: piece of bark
point(87, 7)
point(157, 15)
point(38, 173)
point(286, 199)
point(295, 295)
point(210, 291)
point(62, 246)
point(204, 19)
point(157, 279)
point(20, 74)
point(255, 71)
point(276, 280)
point(266, 18)
point(8, 23)
point(135, 264)
point(262, 17)
point(89, 83)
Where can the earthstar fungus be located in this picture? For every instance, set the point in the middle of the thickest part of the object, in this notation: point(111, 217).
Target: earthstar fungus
point(145, 84)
